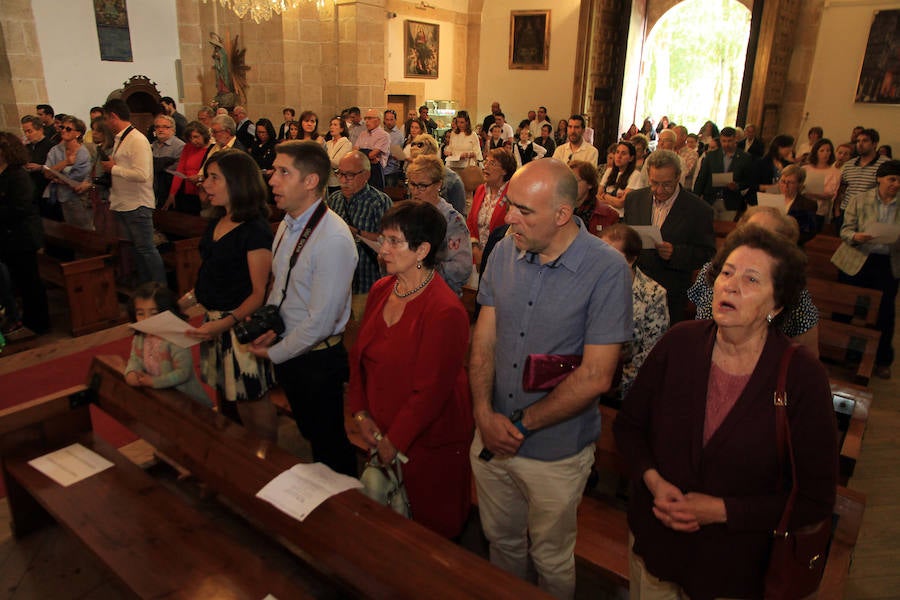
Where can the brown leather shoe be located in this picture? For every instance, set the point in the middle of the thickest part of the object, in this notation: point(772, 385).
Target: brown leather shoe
point(883, 372)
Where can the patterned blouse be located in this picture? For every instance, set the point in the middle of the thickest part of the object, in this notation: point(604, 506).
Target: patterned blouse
point(651, 320)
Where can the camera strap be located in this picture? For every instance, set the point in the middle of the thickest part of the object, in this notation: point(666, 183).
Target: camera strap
point(314, 219)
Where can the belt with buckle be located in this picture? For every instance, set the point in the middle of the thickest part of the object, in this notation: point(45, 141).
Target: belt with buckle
point(333, 340)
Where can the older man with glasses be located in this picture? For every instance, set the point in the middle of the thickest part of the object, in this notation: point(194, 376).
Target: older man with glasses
point(684, 222)
point(167, 149)
point(361, 206)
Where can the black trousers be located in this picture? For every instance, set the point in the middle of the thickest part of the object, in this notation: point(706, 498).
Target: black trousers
point(876, 275)
point(314, 386)
point(23, 270)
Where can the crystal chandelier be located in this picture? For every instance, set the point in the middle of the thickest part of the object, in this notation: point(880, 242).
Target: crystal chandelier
point(262, 10)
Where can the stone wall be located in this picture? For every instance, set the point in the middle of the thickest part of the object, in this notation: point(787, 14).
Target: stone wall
point(21, 71)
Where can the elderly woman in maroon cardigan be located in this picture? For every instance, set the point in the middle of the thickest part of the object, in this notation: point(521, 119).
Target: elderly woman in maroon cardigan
point(697, 431)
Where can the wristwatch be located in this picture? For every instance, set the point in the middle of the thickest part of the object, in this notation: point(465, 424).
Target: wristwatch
point(516, 418)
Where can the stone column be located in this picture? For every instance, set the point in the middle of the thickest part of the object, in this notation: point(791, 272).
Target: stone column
point(361, 61)
point(22, 72)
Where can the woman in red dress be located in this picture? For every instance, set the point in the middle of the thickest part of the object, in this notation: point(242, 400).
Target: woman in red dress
point(408, 390)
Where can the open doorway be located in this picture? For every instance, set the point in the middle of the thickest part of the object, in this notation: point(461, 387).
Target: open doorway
point(693, 64)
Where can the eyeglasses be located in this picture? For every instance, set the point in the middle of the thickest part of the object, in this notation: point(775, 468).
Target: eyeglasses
point(420, 186)
point(490, 163)
point(67, 128)
point(665, 186)
point(162, 127)
point(391, 241)
point(346, 174)
point(418, 144)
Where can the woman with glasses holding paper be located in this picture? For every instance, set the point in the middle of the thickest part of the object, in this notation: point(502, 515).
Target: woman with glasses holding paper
point(408, 392)
point(870, 254)
point(72, 161)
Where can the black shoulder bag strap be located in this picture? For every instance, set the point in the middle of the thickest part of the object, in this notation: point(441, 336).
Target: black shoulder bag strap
point(301, 242)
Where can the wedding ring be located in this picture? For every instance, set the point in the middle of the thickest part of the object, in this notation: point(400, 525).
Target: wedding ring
point(378, 437)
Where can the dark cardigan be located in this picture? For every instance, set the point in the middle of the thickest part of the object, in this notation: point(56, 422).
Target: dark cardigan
point(661, 426)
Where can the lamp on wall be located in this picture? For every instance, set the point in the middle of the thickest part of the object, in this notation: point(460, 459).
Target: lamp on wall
point(263, 10)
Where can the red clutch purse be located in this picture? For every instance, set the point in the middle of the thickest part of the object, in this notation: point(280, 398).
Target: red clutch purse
point(544, 372)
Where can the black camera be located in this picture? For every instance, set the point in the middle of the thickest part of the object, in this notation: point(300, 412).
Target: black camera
point(263, 319)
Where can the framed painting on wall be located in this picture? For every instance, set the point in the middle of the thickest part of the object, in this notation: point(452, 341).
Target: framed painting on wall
point(421, 49)
point(529, 39)
point(879, 77)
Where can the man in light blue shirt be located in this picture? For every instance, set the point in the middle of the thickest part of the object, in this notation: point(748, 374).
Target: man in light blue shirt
point(313, 297)
point(549, 287)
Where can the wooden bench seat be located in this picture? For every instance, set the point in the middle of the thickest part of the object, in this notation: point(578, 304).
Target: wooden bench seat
point(851, 427)
point(183, 255)
point(81, 263)
point(819, 251)
point(364, 548)
point(602, 540)
point(844, 347)
point(153, 542)
point(846, 303)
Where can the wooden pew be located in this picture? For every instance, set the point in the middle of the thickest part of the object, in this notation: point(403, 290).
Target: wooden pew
point(147, 536)
point(857, 401)
point(846, 303)
point(184, 233)
point(842, 345)
point(819, 251)
point(848, 510)
point(81, 263)
point(364, 548)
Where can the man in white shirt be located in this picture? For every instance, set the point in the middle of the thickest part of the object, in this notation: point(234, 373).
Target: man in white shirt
point(538, 122)
point(506, 130)
point(313, 297)
point(131, 195)
point(576, 148)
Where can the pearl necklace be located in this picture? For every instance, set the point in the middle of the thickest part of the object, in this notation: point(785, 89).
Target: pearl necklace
point(425, 282)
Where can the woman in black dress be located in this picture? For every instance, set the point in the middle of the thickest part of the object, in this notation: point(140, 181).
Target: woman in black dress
point(231, 286)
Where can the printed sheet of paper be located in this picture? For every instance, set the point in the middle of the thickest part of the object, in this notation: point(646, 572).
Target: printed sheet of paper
point(397, 152)
point(773, 200)
point(722, 179)
point(300, 489)
point(174, 171)
point(815, 182)
point(70, 464)
point(169, 327)
point(885, 233)
point(60, 177)
point(650, 235)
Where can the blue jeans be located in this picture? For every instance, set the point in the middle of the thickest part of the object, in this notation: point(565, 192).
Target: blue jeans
point(136, 226)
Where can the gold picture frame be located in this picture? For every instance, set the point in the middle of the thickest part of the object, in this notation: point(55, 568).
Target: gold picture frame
point(529, 39)
point(421, 49)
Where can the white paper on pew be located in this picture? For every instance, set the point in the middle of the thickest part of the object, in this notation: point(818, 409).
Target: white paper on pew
point(773, 200)
point(454, 158)
point(815, 181)
point(300, 489)
point(397, 152)
point(176, 173)
point(884, 233)
point(168, 327)
point(650, 235)
point(722, 179)
point(70, 464)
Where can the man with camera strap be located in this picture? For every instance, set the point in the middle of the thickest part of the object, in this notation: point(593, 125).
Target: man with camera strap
point(313, 261)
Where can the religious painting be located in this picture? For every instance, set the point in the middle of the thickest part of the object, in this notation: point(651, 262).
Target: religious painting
point(113, 33)
point(421, 46)
point(529, 39)
point(879, 77)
